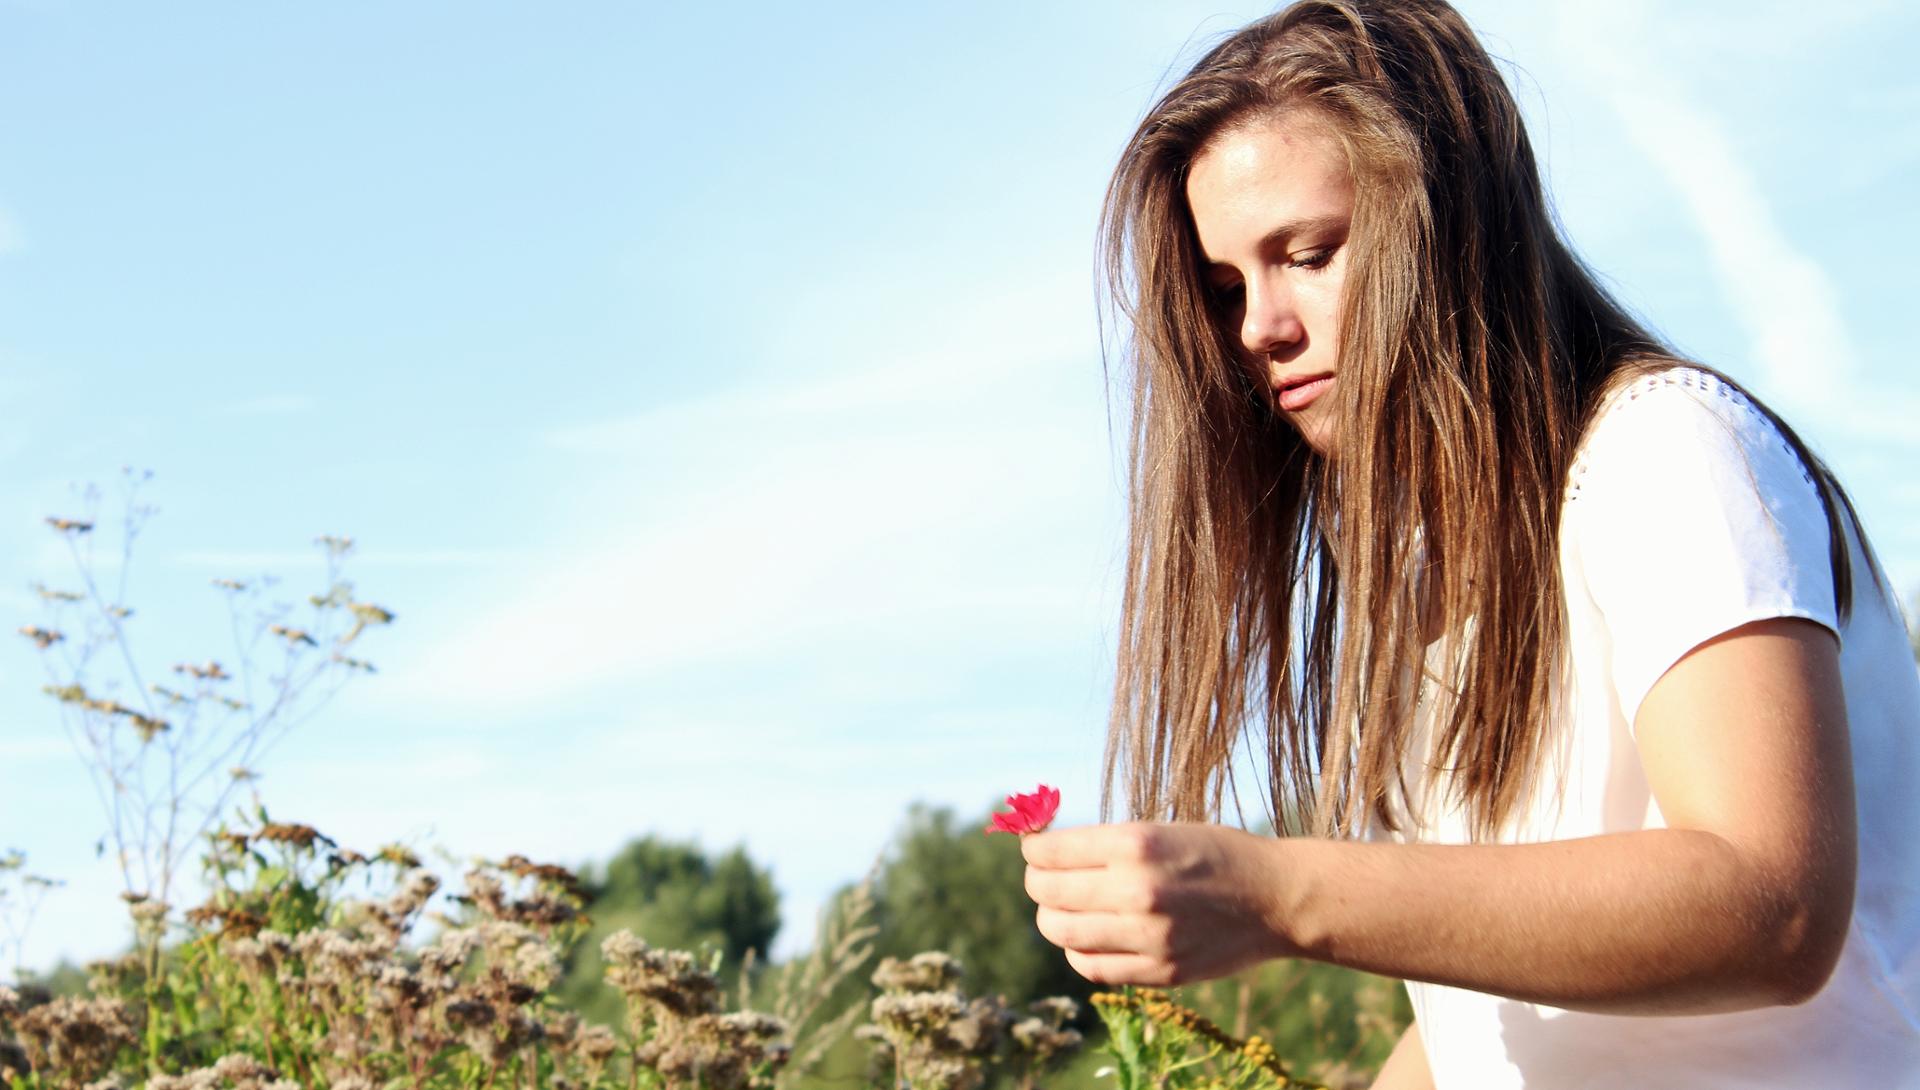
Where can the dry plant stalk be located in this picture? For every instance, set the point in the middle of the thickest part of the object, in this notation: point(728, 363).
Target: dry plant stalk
point(801, 990)
point(166, 759)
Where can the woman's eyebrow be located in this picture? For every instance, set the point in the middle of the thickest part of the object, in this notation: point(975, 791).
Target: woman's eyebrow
point(1285, 233)
point(1306, 225)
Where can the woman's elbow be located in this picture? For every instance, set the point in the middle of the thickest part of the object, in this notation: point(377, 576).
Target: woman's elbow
point(1806, 939)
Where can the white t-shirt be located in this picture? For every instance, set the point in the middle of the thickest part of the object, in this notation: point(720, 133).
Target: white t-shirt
point(1687, 515)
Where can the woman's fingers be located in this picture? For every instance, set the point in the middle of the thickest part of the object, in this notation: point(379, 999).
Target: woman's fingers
point(1123, 969)
point(1107, 889)
point(1103, 932)
point(1088, 846)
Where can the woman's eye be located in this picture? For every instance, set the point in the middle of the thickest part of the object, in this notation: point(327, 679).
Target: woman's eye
point(1228, 294)
point(1313, 259)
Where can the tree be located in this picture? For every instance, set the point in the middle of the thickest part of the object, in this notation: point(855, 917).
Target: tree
point(672, 895)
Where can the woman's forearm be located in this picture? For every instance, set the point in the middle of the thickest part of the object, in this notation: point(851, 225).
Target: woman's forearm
point(1652, 922)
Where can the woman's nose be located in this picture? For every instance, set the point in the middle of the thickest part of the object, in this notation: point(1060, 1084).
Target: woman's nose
point(1269, 325)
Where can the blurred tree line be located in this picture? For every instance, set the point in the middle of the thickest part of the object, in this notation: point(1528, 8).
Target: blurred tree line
point(941, 886)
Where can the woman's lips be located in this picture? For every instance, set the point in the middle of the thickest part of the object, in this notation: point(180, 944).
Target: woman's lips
point(1295, 396)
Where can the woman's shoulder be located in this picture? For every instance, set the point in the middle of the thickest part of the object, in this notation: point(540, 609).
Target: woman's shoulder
point(1681, 424)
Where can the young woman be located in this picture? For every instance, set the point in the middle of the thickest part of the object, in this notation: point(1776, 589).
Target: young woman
point(1570, 650)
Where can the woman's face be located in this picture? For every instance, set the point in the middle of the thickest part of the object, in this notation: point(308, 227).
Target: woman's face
point(1272, 202)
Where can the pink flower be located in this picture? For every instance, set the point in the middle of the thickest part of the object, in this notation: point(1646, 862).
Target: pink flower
point(1031, 813)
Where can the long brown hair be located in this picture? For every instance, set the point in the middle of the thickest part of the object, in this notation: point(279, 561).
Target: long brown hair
point(1267, 583)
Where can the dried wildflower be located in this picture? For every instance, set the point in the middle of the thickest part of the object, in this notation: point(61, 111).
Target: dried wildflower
point(398, 855)
point(115, 976)
point(442, 962)
point(13, 1063)
point(42, 638)
point(521, 867)
point(366, 613)
point(1035, 1036)
point(293, 635)
point(485, 892)
point(239, 1067)
point(249, 953)
point(398, 987)
point(979, 1031)
point(148, 914)
point(232, 921)
point(78, 1037)
point(1031, 813)
point(300, 836)
point(931, 971)
point(669, 979)
point(918, 1012)
point(467, 1013)
point(70, 526)
point(206, 671)
point(146, 726)
point(230, 843)
point(338, 959)
point(416, 888)
point(1057, 1010)
point(736, 1051)
point(231, 586)
point(535, 964)
point(596, 1044)
point(241, 1071)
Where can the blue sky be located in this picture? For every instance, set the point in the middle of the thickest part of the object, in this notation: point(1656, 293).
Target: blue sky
point(714, 391)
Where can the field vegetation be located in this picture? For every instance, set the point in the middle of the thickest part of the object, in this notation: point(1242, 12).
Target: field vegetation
point(309, 963)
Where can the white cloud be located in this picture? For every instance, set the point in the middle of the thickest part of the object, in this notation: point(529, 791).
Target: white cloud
point(1784, 300)
point(1786, 303)
point(911, 501)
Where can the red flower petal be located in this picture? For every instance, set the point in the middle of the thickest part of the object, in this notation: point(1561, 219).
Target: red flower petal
point(1031, 813)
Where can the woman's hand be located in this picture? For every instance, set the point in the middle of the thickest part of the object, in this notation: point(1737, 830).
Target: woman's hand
point(1157, 904)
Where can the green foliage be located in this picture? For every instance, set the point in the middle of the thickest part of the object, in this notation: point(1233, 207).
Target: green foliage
point(946, 886)
point(677, 897)
point(1333, 1024)
point(281, 976)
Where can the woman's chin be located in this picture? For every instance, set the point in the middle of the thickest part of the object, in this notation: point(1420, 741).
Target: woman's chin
point(1316, 430)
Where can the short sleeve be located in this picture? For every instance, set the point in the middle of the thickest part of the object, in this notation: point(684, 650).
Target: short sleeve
point(1687, 516)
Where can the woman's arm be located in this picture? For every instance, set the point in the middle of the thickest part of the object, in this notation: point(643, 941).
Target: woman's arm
point(1406, 1068)
point(1743, 901)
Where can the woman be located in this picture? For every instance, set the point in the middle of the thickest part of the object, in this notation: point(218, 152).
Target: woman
point(1571, 651)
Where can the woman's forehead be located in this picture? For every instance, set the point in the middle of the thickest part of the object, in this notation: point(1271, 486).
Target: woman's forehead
point(1255, 180)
